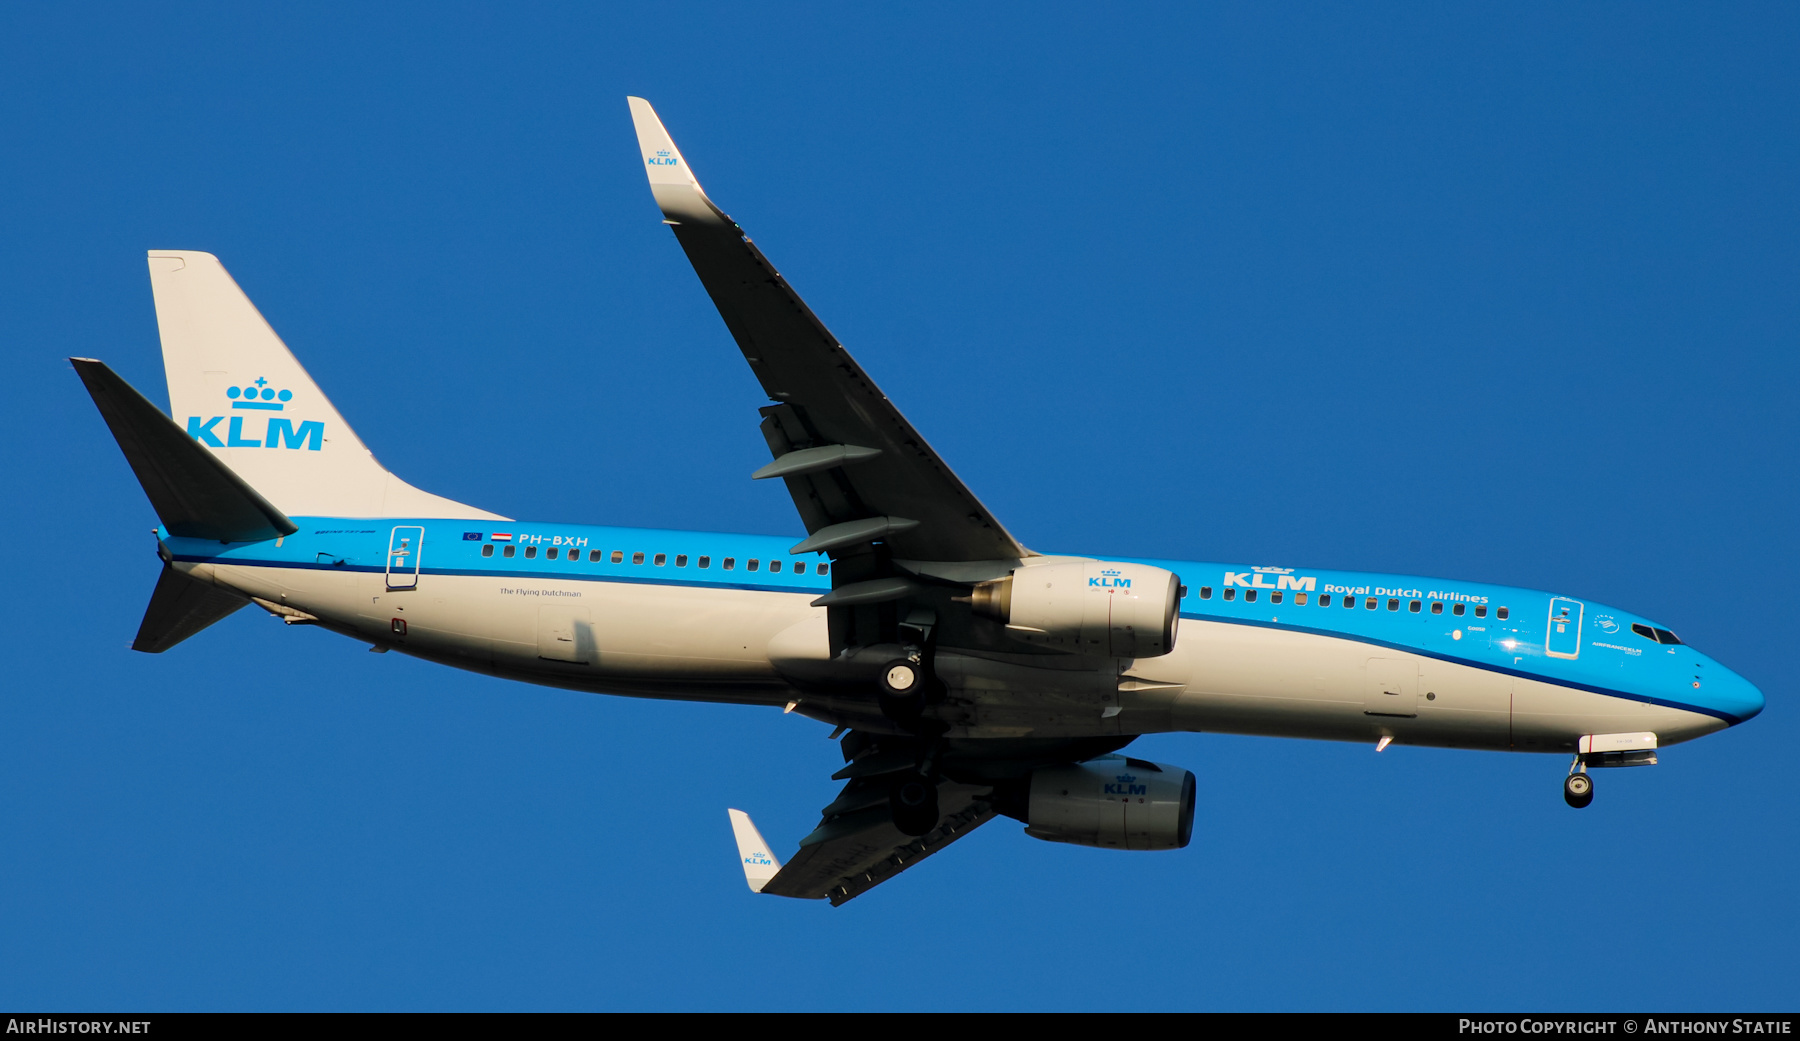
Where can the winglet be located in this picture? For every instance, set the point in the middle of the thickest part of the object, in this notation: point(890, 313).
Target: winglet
point(759, 864)
point(678, 192)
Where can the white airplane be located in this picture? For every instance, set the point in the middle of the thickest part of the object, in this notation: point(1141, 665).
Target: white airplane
point(968, 676)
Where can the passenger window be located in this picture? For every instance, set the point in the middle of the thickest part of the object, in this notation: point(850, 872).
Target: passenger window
point(1249, 596)
point(637, 558)
point(508, 551)
point(1206, 592)
point(681, 560)
point(530, 552)
point(1275, 598)
point(1350, 602)
point(487, 550)
point(1324, 599)
point(799, 567)
point(1481, 610)
point(706, 562)
point(1413, 607)
point(1230, 593)
point(774, 565)
point(823, 568)
point(618, 556)
point(661, 559)
point(1393, 604)
point(1300, 599)
point(752, 564)
point(1181, 593)
point(550, 554)
point(1371, 604)
point(1501, 614)
point(730, 563)
point(1437, 607)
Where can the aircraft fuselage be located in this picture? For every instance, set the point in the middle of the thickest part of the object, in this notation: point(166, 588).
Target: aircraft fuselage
point(728, 618)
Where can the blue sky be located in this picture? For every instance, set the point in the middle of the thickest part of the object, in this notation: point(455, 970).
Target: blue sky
point(1507, 293)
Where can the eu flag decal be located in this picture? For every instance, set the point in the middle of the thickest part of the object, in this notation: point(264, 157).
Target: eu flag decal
point(471, 536)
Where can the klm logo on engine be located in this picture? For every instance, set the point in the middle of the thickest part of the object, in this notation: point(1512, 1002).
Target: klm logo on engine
point(1284, 578)
point(278, 432)
point(1109, 579)
point(1126, 784)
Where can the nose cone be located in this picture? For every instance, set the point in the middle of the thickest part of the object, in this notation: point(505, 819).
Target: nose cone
point(1731, 694)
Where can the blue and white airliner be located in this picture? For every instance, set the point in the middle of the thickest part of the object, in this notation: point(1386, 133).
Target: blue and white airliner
point(967, 676)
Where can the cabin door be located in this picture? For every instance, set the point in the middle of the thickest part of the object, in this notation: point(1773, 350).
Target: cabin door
point(1562, 633)
point(403, 557)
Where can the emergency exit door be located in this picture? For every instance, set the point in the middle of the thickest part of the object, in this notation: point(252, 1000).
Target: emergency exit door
point(404, 547)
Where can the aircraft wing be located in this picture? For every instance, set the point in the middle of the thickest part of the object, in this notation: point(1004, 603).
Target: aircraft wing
point(857, 470)
point(856, 846)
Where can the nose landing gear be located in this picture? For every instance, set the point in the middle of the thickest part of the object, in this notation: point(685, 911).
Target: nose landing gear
point(900, 688)
point(1578, 787)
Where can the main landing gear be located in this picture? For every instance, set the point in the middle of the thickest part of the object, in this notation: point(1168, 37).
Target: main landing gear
point(1578, 787)
point(914, 800)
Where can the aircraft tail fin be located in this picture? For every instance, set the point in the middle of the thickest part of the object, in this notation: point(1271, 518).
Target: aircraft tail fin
point(247, 400)
point(181, 606)
point(759, 864)
point(193, 492)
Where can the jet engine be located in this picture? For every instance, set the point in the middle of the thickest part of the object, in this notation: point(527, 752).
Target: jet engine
point(1113, 803)
point(1086, 606)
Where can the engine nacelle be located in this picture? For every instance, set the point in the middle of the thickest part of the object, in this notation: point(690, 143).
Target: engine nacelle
point(1087, 607)
point(1113, 803)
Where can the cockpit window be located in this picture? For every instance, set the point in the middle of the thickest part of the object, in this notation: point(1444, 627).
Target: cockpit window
point(1657, 635)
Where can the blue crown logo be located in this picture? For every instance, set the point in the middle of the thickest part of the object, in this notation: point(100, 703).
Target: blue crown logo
point(1111, 572)
point(1274, 570)
point(1125, 778)
point(259, 396)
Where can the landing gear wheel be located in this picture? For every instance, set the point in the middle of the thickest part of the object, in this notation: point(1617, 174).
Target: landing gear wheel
point(1578, 790)
point(901, 687)
point(914, 800)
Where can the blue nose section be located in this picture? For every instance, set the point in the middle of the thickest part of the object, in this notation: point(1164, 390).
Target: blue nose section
point(1732, 694)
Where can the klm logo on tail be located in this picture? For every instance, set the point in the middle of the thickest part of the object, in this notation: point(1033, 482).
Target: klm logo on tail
point(280, 431)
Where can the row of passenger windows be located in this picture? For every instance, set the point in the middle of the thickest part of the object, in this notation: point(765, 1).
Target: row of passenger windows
point(1369, 603)
point(595, 556)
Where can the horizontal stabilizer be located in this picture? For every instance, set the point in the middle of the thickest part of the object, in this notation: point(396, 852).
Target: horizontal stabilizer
point(180, 607)
point(195, 494)
point(759, 864)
